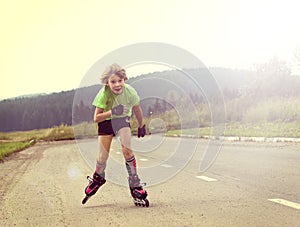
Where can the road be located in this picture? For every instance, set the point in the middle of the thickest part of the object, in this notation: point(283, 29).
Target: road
point(245, 186)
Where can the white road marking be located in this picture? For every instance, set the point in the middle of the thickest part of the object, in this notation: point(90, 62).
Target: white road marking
point(118, 152)
point(206, 178)
point(166, 165)
point(233, 178)
point(286, 203)
point(143, 159)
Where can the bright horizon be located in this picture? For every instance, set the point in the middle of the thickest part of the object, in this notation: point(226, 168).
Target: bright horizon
point(48, 46)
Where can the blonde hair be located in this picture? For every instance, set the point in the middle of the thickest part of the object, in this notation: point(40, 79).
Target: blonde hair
point(113, 69)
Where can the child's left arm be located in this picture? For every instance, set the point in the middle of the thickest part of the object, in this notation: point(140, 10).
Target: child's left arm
point(139, 115)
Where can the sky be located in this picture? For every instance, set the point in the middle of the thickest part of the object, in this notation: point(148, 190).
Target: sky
point(48, 46)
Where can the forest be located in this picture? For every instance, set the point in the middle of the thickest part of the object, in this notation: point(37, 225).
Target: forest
point(268, 94)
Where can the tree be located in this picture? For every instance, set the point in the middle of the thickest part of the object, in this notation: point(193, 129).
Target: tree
point(272, 79)
point(157, 109)
point(82, 113)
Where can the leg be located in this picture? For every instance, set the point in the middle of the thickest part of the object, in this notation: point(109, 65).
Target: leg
point(99, 176)
point(104, 143)
point(125, 135)
point(136, 188)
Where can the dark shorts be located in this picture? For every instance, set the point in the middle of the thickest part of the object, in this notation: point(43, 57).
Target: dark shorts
point(111, 127)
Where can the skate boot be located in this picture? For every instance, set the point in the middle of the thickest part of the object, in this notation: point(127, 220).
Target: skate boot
point(94, 184)
point(137, 192)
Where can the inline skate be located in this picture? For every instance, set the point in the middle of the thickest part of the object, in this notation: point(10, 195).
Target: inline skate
point(138, 194)
point(94, 184)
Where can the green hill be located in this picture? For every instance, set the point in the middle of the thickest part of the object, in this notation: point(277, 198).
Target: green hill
point(161, 91)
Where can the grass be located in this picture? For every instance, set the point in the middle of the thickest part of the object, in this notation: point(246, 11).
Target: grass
point(279, 129)
point(62, 132)
point(17, 141)
point(7, 148)
point(192, 131)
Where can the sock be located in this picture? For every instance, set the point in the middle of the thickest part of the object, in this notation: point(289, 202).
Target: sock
point(131, 166)
point(100, 167)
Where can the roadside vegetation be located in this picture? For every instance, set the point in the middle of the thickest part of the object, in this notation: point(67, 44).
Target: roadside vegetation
point(7, 148)
point(268, 130)
point(16, 141)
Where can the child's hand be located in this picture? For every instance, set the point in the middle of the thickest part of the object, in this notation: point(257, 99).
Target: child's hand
point(141, 131)
point(119, 110)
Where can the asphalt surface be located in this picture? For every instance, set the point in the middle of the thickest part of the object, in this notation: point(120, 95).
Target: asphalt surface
point(249, 184)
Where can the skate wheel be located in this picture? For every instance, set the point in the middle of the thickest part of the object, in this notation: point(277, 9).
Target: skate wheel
point(85, 199)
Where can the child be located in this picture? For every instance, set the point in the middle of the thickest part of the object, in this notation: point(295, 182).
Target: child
point(114, 105)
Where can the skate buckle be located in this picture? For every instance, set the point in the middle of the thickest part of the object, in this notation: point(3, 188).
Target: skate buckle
point(90, 179)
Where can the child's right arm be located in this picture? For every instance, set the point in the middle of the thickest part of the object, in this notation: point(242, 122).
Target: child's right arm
point(100, 116)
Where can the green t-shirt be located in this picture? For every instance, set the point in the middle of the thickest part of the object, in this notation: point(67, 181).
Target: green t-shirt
point(106, 99)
